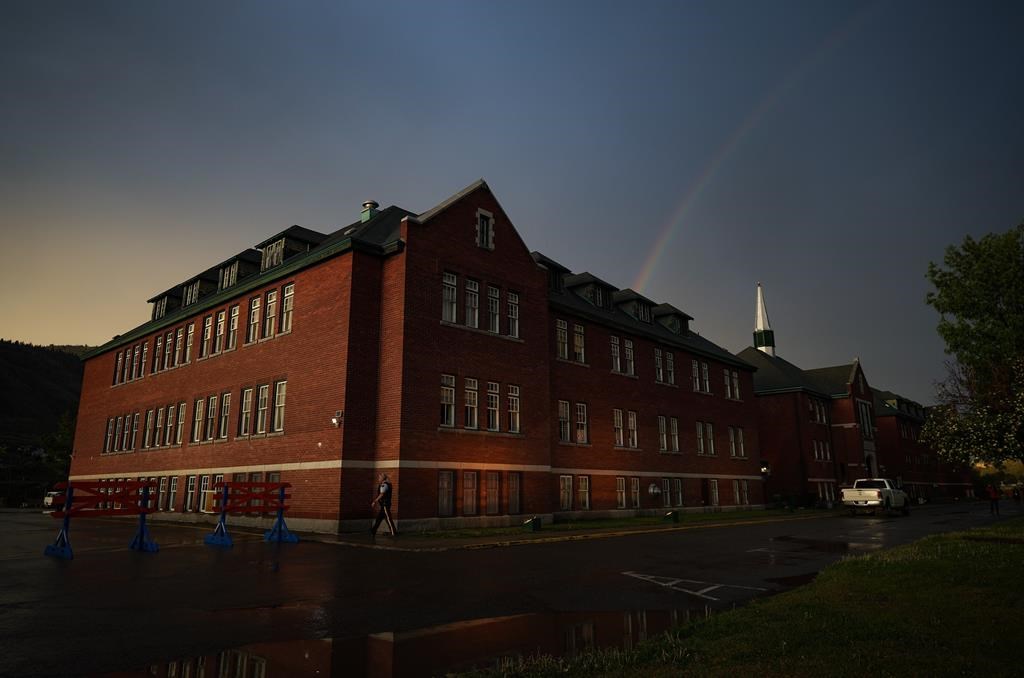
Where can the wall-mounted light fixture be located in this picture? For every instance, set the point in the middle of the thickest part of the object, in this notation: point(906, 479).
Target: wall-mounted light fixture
point(766, 469)
point(653, 489)
point(338, 419)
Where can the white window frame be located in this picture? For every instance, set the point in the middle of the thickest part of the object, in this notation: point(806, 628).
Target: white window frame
point(673, 424)
point(513, 314)
point(565, 492)
point(448, 400)
point(618, 428)
point(662, 433)
point(472, 303)
point(620, 492)
point(252, 329)
point(245, 413)
point(513, 409)
point(659, 371)
point(493, 406)
point(493, 309)
point(634, 492)
point(561, 339)
point(449, 297)
point(631, 427)
point(262, 405)
point(583, 493)
point(287, 307)
point(471, 411)
point(579, 353)
point(616, 356)
point(564, 426)
point(280, 393)
point(484, 229)
point(582, 431)
point(270, 315)
point(630, 362)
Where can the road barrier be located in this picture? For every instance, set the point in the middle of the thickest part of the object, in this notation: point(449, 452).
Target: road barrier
point(93, 498)
point(251, 497)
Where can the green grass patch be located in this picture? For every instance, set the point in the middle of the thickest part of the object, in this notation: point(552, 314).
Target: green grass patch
point(605, 524)
point(946, 605)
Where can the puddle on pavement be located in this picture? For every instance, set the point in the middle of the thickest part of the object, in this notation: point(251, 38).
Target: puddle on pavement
point(490, 643)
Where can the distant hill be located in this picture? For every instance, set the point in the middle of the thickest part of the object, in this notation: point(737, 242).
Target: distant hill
point(40, 384)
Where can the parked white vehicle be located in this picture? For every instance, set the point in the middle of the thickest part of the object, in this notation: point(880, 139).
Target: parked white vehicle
point(872, 494)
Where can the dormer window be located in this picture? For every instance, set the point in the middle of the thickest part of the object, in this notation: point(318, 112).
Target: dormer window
point(229, 275)
point(190, 293)
point(273, 255)
point(643, 312)
point(484, 229)
point(598, 297)
point(160, 308)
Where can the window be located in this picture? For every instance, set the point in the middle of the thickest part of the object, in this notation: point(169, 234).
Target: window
point(705, 438)
point(253, 332)
point(701, 381)
point(181, 424)
point(472, 303)
point(172, 419)
point(706, 379)
point(617, 427)
point(204, 492)
point(287, 307)
point(659, 369)
point(261, 408)
point(643, 313)
point(172, 496)
point(514, 482)
point(204, 346)
point(135, 430)
point(513, 409)
point(513, 314)
point(135, 362)
point(866, 424)
point(280, 389)
point(620, 492)
point(493, 399)
point(270, 317)
point(190, 337)
point(158, 439)
point(471, 403)
point(233, 329)
point(493, 492)
point(469, 493)
point(630, 365)
point(581, 423)
point(218, 338)
point(677, 491)
point(449, 294)
point(598, 296)
point(161, 497)
point(728, 385)
point(245, 412)
point(565, 493)
point(662, 433)
point(736, 443)
point(447, 400)
point(191, 293)
point(562, 339)
point(583, 492)
point(158, 350)
point(117, 433)
point(736, 385)
point(147, 433)
point(211, 417)
point(179, 345)
point(127, 375)
point(631, 426)
point(190, 494)
point(445, 493)
point(117, 369)
point(563, 421)
point(225, 413)
point(273, 254)
point(578, 353)
point(493, 309)
point(616, 359)
point(168, 350)
point(160, 308)
point(197, 420)
point(144, 359)
point(228, 275)
point(670, 367)
point(713, 492)
point(634, 492)
point(484, 230)
point(673, 432)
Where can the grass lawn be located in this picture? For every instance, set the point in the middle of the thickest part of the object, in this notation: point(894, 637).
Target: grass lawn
point(946, 605)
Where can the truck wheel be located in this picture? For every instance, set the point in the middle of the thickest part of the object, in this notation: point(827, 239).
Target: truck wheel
point(888, 507)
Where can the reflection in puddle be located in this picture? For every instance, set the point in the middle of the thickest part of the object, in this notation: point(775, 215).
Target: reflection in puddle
point(460, 646)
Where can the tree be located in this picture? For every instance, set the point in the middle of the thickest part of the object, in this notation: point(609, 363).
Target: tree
point(979, 295)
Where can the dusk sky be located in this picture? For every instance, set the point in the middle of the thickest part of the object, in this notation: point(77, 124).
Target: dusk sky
point(829, 150)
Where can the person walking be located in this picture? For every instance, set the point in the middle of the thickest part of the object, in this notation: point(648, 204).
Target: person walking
point(383, 501)
point(993, 499)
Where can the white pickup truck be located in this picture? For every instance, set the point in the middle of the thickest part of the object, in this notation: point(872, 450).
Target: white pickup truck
point(872, 494)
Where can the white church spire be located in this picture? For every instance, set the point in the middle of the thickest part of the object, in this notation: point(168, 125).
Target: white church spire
point(764, 338)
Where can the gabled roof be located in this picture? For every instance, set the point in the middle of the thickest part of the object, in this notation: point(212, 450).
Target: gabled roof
point(630, 295)
point(669, 309)
point(441, 207)
point(548, 263)
point(296, 233)
point(777, 375)
point(834, 380)
point(585, 278)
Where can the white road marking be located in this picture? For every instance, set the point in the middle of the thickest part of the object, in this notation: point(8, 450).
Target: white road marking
point(674, 584)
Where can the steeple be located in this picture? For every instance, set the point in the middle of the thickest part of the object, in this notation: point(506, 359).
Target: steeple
point(764, 338)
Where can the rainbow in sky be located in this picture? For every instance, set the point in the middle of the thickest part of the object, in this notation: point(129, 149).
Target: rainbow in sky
point(678, 219)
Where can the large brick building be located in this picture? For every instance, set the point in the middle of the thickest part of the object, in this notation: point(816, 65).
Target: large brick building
point(823, 428)
point(489, 382)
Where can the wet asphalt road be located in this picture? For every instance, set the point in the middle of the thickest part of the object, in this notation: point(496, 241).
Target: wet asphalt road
point(112, 609)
